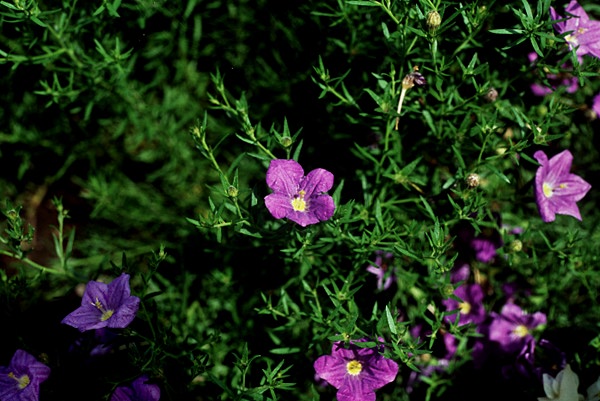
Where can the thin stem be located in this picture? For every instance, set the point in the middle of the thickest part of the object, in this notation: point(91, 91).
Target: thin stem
point(33, 264)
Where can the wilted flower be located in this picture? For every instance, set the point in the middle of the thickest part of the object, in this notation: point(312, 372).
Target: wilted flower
point(409, 81)
point(473, 180)
point(20, 381)
point(434, 20)
point(356, 372)
point(561, 388)
point(139, 390)
point(557, 190)
point(491, 95)
point(299, 198)
point(583, 34)
point(105, 305)
point(383, 269)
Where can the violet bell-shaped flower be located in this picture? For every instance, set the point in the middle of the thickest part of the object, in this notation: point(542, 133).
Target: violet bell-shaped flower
point(556, 189)
point(20, 380)
point(105, 305)
point(296, 197)
point(583, 34)
point(356, 372)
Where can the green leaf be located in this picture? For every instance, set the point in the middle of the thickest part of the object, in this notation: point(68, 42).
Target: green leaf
point(390, 320)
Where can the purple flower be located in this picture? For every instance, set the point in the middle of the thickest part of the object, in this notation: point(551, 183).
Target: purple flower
point(596, 105)
point(511, 329)
point(105, 305)
point(483, 245)
point(383, 269)
point(556, 190)
point(139, 390)
point(299, 198)
point(20, 381)
point(470, 307)
point(583, 35)
point(356, 372)
point(461, 271)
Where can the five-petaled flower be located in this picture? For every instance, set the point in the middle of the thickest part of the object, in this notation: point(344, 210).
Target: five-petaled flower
point(139, 390)
point(105, 305)
point(20, 381)
point(511, 328)
point(583, 34)
point(557, 190)
point(299, 198)
point(356, 372)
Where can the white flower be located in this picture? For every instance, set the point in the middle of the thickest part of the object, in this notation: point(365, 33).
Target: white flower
point(561, 388)
point(593, 391)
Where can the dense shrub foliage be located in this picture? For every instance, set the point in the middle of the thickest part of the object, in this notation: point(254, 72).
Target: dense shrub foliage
point(269, 200)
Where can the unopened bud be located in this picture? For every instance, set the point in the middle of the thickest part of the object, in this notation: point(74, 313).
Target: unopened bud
point(232, 191)
point(286, 141)
point(434, 20)
point(515, 246)
point(447, 290)
point(12, 214)
point(473, 180)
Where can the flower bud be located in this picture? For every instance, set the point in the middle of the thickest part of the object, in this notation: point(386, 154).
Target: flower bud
point(515, 246)
point(434, 20)
point(286, 141)
point(12, 214)
point(232, 191)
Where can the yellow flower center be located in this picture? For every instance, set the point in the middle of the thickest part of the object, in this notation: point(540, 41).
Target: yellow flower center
point(23, 380)
point(106, 314)
point(353, 367)
point(521, 331)
point(464, 307)
point(298, 203)
point(547, 190)
point(572, 38)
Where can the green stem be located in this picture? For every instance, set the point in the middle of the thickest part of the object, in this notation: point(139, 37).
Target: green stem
point(33, 264)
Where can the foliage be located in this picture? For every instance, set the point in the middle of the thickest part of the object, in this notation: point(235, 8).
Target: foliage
point(135, 137)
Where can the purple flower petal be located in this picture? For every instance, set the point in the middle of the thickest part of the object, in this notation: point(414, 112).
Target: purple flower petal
point(284, 175)
point(139, 390)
